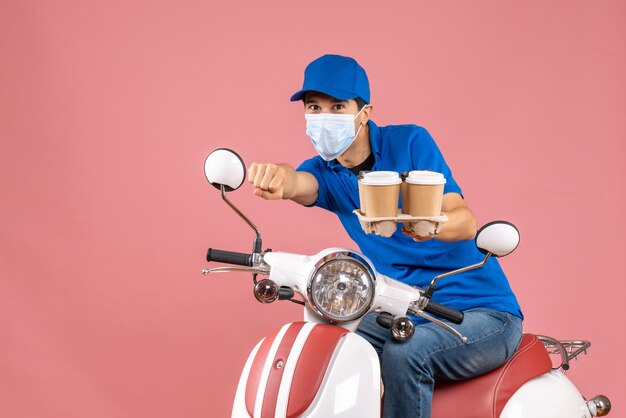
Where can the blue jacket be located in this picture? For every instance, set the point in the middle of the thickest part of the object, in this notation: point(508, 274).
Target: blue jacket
point(404, 148)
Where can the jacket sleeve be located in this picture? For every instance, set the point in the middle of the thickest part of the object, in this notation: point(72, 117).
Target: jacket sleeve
point(315, 167)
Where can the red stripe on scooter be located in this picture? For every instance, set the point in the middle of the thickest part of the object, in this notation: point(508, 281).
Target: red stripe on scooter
point(270, 395)
point(254, 377)
point(311, 367)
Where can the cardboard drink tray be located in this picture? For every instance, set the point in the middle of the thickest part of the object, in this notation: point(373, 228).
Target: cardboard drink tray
point(401, 217)
point(385, 226)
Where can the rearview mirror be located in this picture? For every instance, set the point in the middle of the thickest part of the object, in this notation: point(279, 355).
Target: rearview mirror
point(499, 238)
point(224, 167)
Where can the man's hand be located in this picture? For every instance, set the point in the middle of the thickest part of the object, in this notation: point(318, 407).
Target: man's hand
point(282, 181)
point(420, 231)
point(268, 180)
point(461, 224)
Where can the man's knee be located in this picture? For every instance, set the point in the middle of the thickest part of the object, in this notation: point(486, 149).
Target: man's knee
point(400, 358)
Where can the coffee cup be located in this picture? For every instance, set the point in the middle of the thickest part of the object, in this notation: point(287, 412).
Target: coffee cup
point(362, 191)
point(424, 193)
point(380, 190)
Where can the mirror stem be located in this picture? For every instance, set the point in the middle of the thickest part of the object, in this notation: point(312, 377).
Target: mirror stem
point(431, 288)
point(258, 243)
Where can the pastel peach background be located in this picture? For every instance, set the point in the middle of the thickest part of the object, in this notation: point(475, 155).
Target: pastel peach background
point(108, 109)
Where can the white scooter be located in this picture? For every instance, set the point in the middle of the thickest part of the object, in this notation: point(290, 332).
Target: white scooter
point(321, 368)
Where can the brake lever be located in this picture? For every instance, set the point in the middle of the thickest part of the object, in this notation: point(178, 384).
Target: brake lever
point(419, 312)
point(257, 270)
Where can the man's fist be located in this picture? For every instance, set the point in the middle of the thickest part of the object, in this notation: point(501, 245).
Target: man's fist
point(268, 180)
point(420, 231)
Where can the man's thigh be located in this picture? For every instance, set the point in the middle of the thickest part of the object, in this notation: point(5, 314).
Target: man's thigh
point(492, 338)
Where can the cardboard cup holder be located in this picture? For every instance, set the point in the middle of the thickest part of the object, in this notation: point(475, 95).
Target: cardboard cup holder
point(386, 226)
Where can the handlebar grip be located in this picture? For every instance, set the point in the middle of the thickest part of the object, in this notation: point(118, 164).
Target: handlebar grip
point(229, 257)
point(452, 315)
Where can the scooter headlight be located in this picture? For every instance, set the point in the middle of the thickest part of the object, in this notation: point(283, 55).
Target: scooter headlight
point(342, 287)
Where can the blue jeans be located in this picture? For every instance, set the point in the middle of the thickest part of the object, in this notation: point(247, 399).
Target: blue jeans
point(410, 368)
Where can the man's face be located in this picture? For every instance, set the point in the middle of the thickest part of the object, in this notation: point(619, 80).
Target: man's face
point(315, 102)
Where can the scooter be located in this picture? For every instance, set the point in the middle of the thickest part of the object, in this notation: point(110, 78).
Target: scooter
point(321, 368)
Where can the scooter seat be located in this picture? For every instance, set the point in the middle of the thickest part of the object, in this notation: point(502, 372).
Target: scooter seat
point(485, 396)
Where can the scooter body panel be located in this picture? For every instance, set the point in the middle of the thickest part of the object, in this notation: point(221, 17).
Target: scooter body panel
point(239, 406)
point(325, 371)
point(551, 395)
point(351, 387)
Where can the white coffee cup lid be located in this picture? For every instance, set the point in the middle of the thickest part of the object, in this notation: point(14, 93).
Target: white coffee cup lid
point(425, 177)
point(381, 178)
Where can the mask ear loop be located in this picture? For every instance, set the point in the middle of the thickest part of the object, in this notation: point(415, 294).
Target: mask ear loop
point(357, 132)
point(360, 124)
point(359, 112)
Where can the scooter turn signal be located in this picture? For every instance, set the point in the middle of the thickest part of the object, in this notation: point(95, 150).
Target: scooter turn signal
point(266, 291)
point(599, 406)
point(402, 328)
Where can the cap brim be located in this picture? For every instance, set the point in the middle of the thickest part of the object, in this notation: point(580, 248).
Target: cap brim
point(298, 95)
point(336, 93)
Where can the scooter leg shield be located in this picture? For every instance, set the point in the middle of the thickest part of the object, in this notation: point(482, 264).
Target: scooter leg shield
point(310, 370)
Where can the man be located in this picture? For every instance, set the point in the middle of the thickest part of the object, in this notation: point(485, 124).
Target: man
point(337, 109)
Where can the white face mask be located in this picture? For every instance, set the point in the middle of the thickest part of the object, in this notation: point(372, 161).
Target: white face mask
point(331, 133)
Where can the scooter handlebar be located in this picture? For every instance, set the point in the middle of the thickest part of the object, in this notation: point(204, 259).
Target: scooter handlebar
point(442, 311)
point(230, 257)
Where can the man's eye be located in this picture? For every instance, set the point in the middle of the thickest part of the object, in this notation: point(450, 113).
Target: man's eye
point(314, 107)
point(338, 107)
